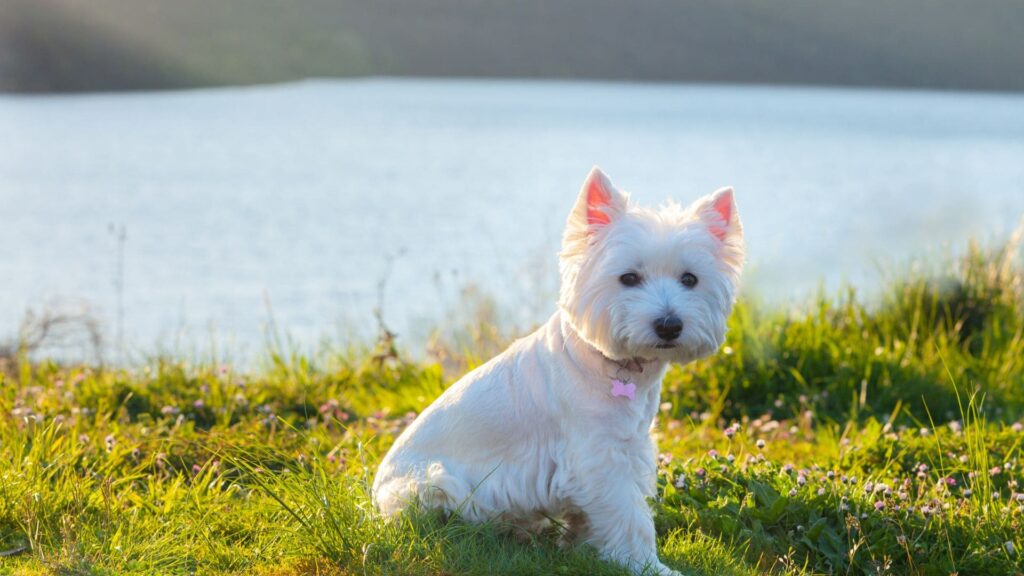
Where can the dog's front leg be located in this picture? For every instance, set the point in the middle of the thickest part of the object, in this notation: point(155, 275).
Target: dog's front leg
point(621, 528)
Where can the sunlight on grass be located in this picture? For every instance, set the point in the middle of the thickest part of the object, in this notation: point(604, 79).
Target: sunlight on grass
point(840, 438)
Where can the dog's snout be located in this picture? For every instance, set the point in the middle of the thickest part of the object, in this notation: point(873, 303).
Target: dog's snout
point(668, 328)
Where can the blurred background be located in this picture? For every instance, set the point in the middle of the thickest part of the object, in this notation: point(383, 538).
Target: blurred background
point(181, 174)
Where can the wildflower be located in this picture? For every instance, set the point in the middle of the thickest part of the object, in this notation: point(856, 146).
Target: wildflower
point(713, 454)
point(925, 432)
point(967, 492)
point(995, 470)
point(787, 468)
point(110, 441)
point(1020, 497)
point(760, 444)
point(821, 491)
point(196, 468)
point(956, 427)
point(1017, 427)
point(730, 458)
point(792, 492)
point(801, 479)
point(170, 411)
point(1009, 548)
point(830, 475)
point(731, 431)
point(879, 505)
point(681, 482)
point(701, 473)
point(199, 404)
point(869, 487)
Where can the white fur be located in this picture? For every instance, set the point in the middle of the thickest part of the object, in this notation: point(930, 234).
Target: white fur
point(535, 432)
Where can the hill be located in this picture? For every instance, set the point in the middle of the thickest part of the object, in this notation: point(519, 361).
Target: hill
point(68, 45)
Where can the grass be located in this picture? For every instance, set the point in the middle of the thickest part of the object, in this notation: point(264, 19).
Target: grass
point(843, 438)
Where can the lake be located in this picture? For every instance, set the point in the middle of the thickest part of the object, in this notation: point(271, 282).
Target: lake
point(298, 202)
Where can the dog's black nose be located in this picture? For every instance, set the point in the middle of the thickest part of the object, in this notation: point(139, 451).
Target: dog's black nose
point(668, 328)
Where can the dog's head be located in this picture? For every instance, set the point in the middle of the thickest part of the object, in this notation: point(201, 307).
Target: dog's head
point(650, 284)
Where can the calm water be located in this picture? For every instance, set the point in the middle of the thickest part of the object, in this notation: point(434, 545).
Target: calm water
point(299, 195)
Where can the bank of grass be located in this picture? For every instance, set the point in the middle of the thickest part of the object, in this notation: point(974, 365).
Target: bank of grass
point(841, 438)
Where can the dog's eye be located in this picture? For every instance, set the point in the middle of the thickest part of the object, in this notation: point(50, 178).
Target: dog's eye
point(630, 279)
point(688, 280)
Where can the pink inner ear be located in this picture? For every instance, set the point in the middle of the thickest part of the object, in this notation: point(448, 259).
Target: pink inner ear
point(723, 208)
point(597, 197)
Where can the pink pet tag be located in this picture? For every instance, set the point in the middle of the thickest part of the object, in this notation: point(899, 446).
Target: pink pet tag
point(624, 389)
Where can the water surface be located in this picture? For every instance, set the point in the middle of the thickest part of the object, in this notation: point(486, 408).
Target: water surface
point(300, 195)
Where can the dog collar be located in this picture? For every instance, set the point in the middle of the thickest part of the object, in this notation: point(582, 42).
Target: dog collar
point(632, 365)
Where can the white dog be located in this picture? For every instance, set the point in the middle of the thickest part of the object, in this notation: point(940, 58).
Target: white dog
point(559, 424)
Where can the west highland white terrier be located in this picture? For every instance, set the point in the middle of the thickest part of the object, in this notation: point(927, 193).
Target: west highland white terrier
point(558, 425)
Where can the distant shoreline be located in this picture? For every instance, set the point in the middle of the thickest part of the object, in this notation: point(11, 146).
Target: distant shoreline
point(497, 80)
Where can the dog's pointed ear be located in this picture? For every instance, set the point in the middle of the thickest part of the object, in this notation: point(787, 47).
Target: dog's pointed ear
point(598, 204)
point(718, 211)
